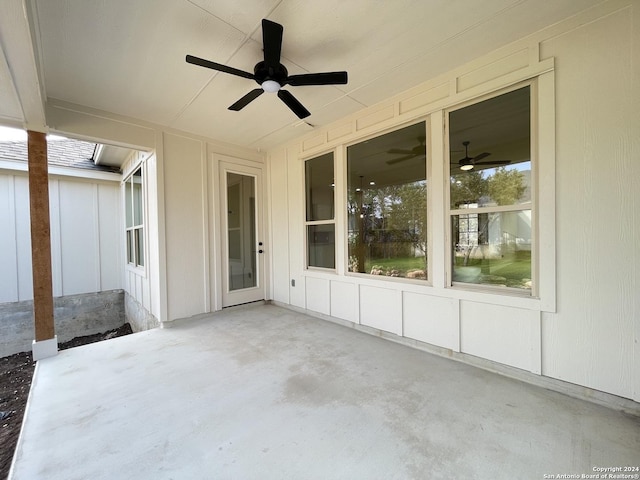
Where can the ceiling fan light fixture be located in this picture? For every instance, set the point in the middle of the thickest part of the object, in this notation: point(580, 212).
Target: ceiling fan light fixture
point(466, 163)
point(270, 86)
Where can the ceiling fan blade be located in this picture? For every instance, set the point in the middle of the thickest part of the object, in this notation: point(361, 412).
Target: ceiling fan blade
point(271, 42)
point(494, 162)
point(248, 98)
point(293, 104)
point(327, 78)
point(480, 157)
point(217, 66)
point(401, 159)
point(399, 150)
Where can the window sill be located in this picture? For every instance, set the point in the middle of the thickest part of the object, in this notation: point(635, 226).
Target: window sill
point(496, 296)
point(370, 279)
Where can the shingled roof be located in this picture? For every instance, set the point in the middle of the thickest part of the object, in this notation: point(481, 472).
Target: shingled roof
point(61, 152)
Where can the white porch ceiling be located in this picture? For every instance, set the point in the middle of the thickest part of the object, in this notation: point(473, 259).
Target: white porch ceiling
point(128, 57)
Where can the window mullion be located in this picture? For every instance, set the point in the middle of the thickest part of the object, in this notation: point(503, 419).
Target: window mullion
point(321, 222)
point(492, 209)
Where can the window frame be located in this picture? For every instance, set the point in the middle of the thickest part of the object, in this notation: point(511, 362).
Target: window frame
point(134, 233)
point(531, 206)
point(344, 194)
point(542, 296)
point(332, 221)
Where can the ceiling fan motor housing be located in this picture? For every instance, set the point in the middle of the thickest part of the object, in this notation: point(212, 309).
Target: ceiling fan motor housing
point(263, 72)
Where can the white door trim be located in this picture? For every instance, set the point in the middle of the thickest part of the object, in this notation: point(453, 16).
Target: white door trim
point(244, 295)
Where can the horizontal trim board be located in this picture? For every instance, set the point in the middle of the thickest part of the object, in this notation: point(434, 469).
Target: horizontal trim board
point(375, 118)
point(493, 70)
point(425, 98)
point(313, 142)
point(340, 131)
point(13, 166)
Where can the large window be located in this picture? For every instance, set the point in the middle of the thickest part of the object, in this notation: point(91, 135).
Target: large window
point(320, 221)
point(387, 204)
point(134, 219)
point(490, 191)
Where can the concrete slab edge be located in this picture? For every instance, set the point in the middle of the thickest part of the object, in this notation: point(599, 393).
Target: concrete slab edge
point(22, 427)
point(580, 392)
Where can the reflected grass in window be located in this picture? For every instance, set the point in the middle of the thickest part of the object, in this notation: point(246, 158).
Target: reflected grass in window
point(493, 249)
point(387, 204)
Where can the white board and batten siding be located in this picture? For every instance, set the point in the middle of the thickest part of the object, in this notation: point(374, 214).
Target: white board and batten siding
point(139, 282)
point(583, 326)
point(86, 247)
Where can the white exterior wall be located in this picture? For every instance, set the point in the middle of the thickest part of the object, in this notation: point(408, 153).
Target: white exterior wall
point(85, 221)
point(181, 276)
point(138, 280)
point(583, 323)
point(593, 337)
point(185, 217)
point(192, 221)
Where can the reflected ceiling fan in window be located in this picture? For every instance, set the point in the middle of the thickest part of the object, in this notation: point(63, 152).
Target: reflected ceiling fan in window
point(418, 150)
point(271, 75)
point(469, 163)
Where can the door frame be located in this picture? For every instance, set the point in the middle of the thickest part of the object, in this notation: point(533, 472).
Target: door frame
point(219, 248)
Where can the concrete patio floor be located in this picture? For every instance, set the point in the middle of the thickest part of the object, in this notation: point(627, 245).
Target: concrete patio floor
point(267, 393)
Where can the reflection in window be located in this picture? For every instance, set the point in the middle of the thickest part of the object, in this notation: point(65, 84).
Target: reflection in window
point(134, 218)
point(387, 204)
point(319, 199)
point(490, 191)
point(319, 185)
point(241, 231)
point(493, 248)
point(322, 247)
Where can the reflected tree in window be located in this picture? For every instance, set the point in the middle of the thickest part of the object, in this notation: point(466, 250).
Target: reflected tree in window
point(506, 187)
point(490, 200)
point(387, 205)
point(499, 186)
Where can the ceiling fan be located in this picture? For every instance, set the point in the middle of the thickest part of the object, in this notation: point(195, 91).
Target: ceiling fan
point(271, 75)
point(418, 150)
point(468, 163)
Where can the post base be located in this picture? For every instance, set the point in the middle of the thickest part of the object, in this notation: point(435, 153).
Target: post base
point(45, 348)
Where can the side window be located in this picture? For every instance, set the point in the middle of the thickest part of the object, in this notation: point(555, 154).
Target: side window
point(320, 211)
point(134, 219)
point(387, 204)
point(490, 192)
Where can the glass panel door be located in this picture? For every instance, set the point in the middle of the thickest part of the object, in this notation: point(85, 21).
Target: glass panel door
point(242, 252)
point(241, 231)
